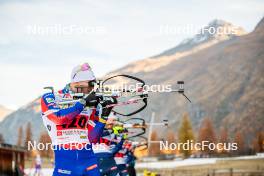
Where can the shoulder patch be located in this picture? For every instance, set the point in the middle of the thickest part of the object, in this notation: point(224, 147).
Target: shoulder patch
point(50, 100)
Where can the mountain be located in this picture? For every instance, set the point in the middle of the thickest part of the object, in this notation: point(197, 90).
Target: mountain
point(224, 80)
point(206, 38)
point(4, 112)
point(216, 31)
point(28, 113)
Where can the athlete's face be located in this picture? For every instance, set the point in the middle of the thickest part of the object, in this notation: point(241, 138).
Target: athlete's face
point(81, 87)
point(109, 126)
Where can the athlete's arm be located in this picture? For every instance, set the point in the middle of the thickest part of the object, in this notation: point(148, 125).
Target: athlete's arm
point(99, 119)
point(129, 157)
point(117, 147)
point(59, 116)
point(96, 125)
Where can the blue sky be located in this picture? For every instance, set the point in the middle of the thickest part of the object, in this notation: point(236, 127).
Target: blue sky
point(117, 32)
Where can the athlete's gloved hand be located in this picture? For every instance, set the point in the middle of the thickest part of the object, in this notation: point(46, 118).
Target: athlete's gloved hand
point(123, 136)
point(92, 100)
point(106, 106)
point(117, 130)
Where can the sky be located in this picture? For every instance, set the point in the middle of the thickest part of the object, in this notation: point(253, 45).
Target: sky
point(41, 41)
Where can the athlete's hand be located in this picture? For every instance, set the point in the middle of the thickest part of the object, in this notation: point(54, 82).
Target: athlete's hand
point(92, 100)
point(107, 108)
point(124, 136)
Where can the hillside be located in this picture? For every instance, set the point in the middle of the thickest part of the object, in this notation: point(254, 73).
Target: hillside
point(216, 31)
point(28, 113)
point(4, 112)
point(224, 81)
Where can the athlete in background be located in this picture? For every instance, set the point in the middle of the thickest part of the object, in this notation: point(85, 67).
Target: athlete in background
point(37, 164)
point(120, 156)
point(130, 159)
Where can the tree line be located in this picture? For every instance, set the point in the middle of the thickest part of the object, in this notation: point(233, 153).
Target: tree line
point(207, 132)
point(185, 133)
point(25, 136)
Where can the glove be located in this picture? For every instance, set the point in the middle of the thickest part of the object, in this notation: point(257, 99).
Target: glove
point(107, 110)
point(120, 131)
point(123, 136)
point(117, 130)
point(92, 100)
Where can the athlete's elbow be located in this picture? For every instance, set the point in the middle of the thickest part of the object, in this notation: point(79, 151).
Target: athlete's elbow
point(93, 139)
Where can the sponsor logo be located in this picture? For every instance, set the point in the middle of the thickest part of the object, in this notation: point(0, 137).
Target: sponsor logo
point(113, 168)
point(64, 171)
point(50, 100)
point(59, 133)
point(49, 127)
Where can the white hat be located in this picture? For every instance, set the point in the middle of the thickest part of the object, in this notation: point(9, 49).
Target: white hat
point(82, 72)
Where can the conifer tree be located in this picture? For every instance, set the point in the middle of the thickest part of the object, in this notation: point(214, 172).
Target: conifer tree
point(185, 135)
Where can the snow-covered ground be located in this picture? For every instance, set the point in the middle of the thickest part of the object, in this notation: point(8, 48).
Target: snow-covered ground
point(175, 163)
point(258, 156)
point(190, 162)
point(166, 164)
point(44, 172)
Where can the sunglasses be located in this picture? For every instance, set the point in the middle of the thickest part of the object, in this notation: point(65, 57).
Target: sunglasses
point(91, 84)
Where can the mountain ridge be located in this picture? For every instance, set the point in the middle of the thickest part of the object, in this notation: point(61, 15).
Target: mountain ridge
point(185, 48)
point(4, 111)
point(216, 31)
point(29, 113)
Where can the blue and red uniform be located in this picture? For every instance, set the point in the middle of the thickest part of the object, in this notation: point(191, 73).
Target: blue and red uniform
point(72, 128)
point(109, 144)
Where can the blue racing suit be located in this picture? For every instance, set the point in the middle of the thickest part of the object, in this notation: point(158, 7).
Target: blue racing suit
point(108, 146)
point(72, 128)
